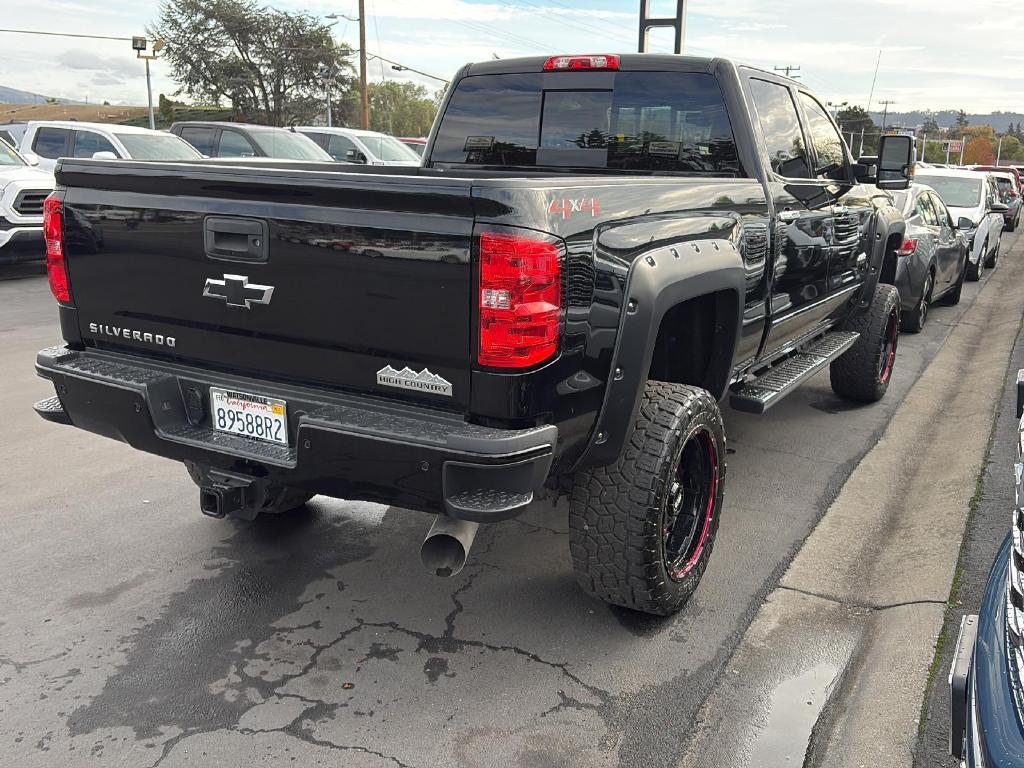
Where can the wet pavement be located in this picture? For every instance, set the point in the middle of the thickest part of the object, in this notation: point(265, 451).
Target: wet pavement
point(136, 632)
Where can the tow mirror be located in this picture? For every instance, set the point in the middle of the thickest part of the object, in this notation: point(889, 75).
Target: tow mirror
point(895, 162)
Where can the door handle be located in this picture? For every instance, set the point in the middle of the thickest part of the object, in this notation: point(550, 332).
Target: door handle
point(788, 216)
point(233, 239)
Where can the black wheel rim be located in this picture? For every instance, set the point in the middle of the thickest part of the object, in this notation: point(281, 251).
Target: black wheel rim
point(690, 504)
point(892, 334)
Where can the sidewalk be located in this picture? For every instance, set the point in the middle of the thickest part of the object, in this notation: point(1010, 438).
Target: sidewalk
point(833, 669)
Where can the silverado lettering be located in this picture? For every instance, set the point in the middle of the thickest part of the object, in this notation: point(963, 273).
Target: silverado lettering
point(130, 333)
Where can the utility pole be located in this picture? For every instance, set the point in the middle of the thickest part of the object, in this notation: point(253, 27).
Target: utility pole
point(999, 152)
point(139, 45)
point(963, 146)
point(787, 69)
point(364, 95)
point(885, 114)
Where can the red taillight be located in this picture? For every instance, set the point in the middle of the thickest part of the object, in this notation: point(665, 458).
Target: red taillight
point(520, 300)
point(907, 248)
point(53, 233)
point(586, 61)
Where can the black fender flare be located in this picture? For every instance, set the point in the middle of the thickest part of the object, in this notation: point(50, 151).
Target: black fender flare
point(657, 281)
point(888, 222)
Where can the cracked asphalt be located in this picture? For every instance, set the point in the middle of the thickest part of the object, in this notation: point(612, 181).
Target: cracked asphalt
point(136, 632)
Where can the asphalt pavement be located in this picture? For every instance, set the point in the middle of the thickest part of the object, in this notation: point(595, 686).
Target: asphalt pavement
point(137, 632)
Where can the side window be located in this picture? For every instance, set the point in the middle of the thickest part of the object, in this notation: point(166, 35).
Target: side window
point(234, 144)
point(927, 212)
point(51, 143)
point(829, 148)
point(941, 212)
point(782, 136)
point(321, 139)
point(5, 136)
point(200, 137)
point(87, 142)
point(339, 147)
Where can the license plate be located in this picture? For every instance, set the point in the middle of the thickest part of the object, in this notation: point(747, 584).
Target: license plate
point(256, 416)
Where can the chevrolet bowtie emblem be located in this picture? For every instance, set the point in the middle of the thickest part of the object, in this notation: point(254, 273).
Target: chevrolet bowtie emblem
point(237, 291)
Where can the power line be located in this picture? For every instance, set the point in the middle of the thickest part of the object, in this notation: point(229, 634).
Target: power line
point(65, 34)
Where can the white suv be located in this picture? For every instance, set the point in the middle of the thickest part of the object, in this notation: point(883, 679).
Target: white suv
point(369, 147)
point(48, 140)
point(22, 191)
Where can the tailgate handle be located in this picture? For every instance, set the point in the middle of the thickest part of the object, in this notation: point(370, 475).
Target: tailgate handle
point(232, 239)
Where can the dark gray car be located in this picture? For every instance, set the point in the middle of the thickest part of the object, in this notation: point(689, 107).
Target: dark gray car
point(933, 257)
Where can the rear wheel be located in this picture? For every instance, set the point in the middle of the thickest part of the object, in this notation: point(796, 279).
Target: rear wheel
point(864, 371)
point(975, 271)
point(641, 530)
point(953, 297)
point(990, 262)
point(914, 320)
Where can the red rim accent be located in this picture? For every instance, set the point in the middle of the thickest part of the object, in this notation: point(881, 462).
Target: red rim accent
point(709, 509)
point(892, 336)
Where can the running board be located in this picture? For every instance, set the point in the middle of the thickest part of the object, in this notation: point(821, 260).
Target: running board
point(759, 394)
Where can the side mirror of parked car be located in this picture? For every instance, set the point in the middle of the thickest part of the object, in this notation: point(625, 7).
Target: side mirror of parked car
point(31, 158)
point(895, 162)
point(964, 223)
point(355, 156)
point(1000, 207)
point(104, 155)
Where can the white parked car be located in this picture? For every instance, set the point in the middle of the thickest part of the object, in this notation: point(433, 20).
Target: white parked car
point(367, 147)
point(22, 191)
point(973, 200)
point(47, 140)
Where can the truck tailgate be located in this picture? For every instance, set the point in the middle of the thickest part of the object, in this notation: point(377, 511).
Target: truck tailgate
point(318, 276)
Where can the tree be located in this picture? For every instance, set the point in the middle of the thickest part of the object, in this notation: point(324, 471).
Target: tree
point(401, 108)
point(266, 62)
point(978, 151)
point(1012, 151)
point(961, 121)
point(930, 126)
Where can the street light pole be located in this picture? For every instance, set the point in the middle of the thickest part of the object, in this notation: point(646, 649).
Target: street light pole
point(149, 97)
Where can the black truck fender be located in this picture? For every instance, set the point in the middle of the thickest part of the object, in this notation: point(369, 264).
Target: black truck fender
point(658, 281)
point(885, 238)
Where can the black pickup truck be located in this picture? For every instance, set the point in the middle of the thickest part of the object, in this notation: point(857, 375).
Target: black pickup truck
point(596, 251)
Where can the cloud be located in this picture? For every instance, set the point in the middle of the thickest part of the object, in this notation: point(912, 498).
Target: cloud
point(87, 61)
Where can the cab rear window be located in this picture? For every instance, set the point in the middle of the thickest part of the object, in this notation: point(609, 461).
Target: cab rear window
point(673, 122)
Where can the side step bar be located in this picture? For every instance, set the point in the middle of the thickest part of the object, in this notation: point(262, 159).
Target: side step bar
point(759, 394)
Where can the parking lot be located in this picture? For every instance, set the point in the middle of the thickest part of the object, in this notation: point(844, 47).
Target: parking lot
point(137, 632)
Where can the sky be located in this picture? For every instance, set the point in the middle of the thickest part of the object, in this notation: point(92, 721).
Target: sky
point(936, 54)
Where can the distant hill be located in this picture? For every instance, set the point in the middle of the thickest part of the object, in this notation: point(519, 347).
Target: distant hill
point(14, 96)
point(1000, 121)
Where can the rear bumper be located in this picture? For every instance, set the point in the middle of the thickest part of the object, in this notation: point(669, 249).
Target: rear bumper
point(341, 445)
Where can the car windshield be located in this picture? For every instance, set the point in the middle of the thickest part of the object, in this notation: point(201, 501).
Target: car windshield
point(156, 146)
point(626, 121)
point(956, 192)
point(286, 145)
point(8, 156)
point(388, 148)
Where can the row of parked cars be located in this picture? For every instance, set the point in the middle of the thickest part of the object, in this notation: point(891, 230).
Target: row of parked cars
point(29, 152)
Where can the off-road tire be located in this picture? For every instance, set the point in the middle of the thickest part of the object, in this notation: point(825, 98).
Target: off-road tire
point(975, 271)
point(952, 298)
point(913, 320)
point(619, 514)
point(990, 262)
point(864, 371)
